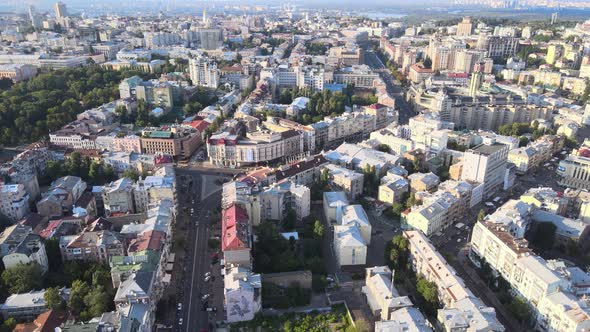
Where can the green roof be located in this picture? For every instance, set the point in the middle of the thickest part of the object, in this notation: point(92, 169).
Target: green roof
point(160, 134)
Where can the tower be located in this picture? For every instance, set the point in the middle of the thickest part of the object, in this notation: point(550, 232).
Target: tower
point(61, 10)
point(476, 80)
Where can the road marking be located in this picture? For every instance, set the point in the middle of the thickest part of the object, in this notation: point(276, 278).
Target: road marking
point(190, 300)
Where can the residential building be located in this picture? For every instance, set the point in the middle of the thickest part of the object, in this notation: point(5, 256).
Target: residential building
point(334, 202)
point(14, 201)
point(423, 182)
point(203, 72)
point(118, 197)
point(382, 297)
point(465, 27)
point(486, 164)
point(393, 190)
point(242, 291)
point(456, 299)
point(97, 246)
point(236, 241)
point(346, 180)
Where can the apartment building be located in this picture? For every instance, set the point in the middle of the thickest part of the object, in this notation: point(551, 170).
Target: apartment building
point(452, 292)
point(349, 181)
point(436, 213)
point(117, 197)
point(19, 245)
point(242, 294)
point(499, 241)
point(491, 116)
point(382, 297)
point(203, 72)
point(486, 164)
point(236, 242)
point(97, 246)
point(423, 182)
point(14, 201)
point(392, 190)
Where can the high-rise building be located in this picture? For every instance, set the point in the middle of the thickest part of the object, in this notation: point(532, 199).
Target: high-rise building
point(486, 163)
point(211, 38)
point(61, 10)
point(475, 84)
point(203, 72)
point(465, 27)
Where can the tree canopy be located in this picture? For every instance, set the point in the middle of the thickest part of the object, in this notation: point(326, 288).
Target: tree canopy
point(29, 110)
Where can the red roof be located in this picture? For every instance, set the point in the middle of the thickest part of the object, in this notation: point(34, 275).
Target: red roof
point(421, 69)
point(234, 228)
point(151, 240)
point(376, 106)
point(199, 125)
point(458, 75)
point(47, 231)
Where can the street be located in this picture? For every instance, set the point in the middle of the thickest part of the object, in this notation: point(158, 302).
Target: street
point(199, 196)
point(393, 87)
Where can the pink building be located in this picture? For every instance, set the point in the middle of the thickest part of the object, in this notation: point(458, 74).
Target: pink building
point(129, 143)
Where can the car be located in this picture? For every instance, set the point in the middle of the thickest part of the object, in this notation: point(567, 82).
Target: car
point(180, 321)
point(205, 297)
point(207, 278)
point(207, 274)
point(179, 306)
point(330, 279)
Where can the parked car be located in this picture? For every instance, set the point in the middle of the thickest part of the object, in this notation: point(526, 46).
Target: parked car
point(180, 321)
point(207, 278)
point(205, 297)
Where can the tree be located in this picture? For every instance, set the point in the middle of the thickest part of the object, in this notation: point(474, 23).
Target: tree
point(9, 324)
point(290, 219)
point(523, 141)
point(318, 229)
point(53, 298)
point(383, 148)
point(325, 175)
point(23, 278)
point(519, 307)
point(77, 293)
point(96, 301)
point(428, 293)
point(427, 63)
point(543, 235)
point(481, 215)
point(411, 200)
point(397, 209)
point(131, 174)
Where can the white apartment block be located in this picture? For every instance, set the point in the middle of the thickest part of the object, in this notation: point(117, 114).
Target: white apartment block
point(453, 293)
point(203, 72)
point(486, 164)
point(242, 291)
point(498, 240)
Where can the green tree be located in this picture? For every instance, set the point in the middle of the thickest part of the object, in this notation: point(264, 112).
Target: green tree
point(411, 200)
point(53, 298)
point(427, 63)
point(131, 174)
point(397, 209)
point(481, 215)
point(78, 292)
point(318, 229)
point(23, 278)
point(97, 301)
point(325, 175)
point(290, 219)
point(519, 307)
point(9, 324)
